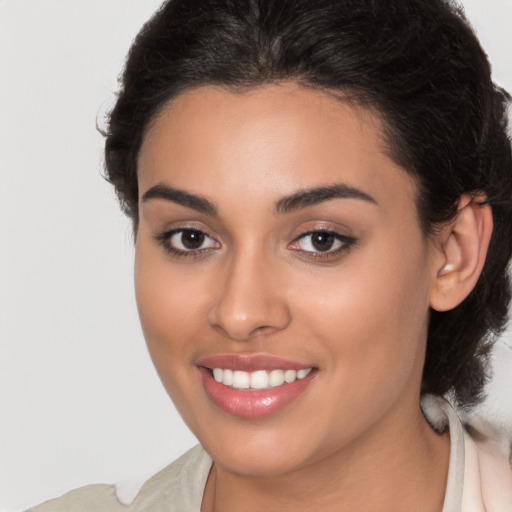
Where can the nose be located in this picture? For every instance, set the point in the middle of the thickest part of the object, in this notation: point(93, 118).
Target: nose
point(250, 300)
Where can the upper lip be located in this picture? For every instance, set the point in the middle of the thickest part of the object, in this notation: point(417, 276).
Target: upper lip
point(250, 362)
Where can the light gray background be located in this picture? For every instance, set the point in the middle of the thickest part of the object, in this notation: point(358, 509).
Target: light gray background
point(80, 401)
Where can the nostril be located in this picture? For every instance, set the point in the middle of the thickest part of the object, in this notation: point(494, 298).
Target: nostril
point(245, 309)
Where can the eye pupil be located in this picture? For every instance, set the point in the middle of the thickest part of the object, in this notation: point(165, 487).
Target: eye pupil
point(192, 239)
point(322, 241)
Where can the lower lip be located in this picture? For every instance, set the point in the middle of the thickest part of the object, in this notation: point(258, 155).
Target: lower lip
point(253, 403)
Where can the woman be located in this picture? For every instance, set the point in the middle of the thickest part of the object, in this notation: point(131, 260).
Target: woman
point(321, 195)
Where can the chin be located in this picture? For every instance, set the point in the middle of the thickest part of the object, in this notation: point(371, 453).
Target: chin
point(259, 450)
point(259, 461)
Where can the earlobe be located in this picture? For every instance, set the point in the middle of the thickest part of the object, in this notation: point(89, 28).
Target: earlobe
point(449, 267)
point(461, 254)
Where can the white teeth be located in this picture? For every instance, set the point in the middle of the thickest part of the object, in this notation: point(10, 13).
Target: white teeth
point(227, 377)
point(303, 373)
point(259, 379)
point(241, 380)
point(290, 376)
point(276, 378)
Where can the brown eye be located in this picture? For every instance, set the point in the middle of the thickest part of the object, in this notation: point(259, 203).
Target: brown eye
point(192, 239)
point(322, 241)
point(187, 241)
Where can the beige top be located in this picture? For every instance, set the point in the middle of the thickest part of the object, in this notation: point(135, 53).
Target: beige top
point(479, 477)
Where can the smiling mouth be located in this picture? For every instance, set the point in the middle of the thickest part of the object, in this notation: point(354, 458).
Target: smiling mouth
point(254, 392)
point(259, 379)
point(254, 385)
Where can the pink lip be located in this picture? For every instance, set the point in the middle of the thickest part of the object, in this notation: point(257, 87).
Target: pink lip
point(251, 403)
point(250, 362)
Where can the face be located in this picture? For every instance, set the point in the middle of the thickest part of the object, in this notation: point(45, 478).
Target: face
point(281, 274)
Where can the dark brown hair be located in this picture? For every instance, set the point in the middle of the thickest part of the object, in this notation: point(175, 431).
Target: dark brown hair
point(417, 62)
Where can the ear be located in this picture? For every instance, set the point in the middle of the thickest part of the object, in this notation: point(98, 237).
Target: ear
point(460, 253)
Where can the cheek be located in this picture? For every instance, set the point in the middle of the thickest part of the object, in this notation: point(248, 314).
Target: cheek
point(167, 305)
point(371, 317)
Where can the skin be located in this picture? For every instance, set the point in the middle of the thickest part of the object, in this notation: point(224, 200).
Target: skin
point(356, 438)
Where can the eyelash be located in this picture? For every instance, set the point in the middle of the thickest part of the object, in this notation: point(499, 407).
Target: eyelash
point(346, 243)
point(164, 239)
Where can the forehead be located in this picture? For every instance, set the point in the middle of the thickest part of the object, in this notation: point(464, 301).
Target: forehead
point(268, 142)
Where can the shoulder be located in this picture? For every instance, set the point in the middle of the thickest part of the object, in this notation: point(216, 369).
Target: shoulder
point(481, 467)
point(176, 488)
point(97, 498)
point(488, 473)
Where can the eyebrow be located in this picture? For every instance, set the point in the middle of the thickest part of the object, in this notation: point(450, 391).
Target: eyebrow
point(168, 193)
point(297, 201)
point(311, 197)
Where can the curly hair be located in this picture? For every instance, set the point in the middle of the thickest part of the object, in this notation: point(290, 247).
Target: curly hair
point(415, 62)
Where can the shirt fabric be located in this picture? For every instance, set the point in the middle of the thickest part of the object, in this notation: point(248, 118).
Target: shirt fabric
point(479, 477)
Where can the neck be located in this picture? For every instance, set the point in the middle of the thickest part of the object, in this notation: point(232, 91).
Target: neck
point(397, 466)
